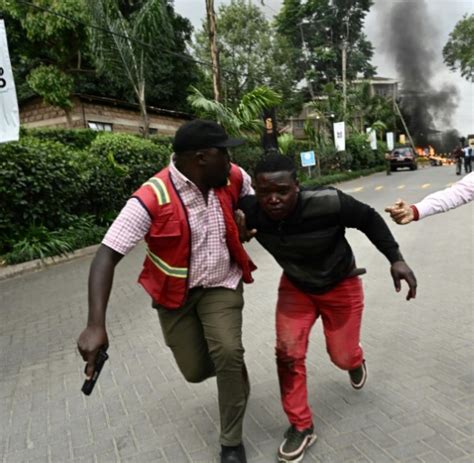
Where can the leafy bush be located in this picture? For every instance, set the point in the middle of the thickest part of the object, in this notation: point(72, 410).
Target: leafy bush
point(338, 177)
point(74, 138)
point(37, 243)
point(166, 140)
point(39, 182)
point(117, 165)
point(247, 156)
point(360, 153)
point(42, 182)
point(82, 231)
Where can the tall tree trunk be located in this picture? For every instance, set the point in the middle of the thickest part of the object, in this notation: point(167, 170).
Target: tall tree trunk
point(211, 26)
point(68, 118)
point(143, 111)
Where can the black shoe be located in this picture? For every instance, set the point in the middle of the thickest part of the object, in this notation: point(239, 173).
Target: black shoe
point(233, 454)
point(296, 442)
point(358, 376)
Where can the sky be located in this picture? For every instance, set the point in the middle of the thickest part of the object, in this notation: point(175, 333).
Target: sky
point(444, 15)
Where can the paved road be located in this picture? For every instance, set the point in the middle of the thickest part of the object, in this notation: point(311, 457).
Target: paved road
point(416, 406)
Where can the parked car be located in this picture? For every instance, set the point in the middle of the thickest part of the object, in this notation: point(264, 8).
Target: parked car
point(403, 157)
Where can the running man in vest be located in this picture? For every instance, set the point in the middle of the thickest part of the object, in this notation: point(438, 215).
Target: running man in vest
point(193, 269)
point(304, 232)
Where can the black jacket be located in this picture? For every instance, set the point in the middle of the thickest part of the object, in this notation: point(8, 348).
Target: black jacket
point(310, 244)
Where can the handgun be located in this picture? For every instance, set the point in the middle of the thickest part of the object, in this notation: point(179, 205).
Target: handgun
point(101, 358)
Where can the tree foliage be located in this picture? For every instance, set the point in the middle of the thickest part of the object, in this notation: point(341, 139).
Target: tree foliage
point(45, 40)
point(458, 52)
point(318, 30)
point(251, 54)
point(363, 110)
point(119, 43)
point(53, 85)
point(56, 33)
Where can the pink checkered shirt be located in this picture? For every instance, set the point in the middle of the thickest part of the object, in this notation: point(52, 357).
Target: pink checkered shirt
point(211, 265)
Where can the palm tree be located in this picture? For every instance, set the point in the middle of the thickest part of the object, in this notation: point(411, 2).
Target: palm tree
point(286, 143)
point(245, 119)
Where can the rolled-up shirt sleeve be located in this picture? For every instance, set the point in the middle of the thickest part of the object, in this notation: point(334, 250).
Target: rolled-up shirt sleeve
point(130, 226)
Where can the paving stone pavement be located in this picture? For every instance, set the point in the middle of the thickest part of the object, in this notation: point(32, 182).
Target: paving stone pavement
point(416, 406)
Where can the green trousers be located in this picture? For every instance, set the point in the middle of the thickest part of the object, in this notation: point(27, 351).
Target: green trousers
point(205, 336)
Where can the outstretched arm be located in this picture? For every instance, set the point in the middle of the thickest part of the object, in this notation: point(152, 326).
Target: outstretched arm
point(129, 227)
point(356, 214)
point(458, 194)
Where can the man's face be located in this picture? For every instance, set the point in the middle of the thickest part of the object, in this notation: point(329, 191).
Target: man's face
point(216, 167)
point(277, 193)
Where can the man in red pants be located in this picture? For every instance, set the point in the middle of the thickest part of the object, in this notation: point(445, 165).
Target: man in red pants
point(304, 231)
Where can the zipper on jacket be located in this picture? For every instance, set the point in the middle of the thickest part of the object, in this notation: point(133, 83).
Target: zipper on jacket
point(280, 231)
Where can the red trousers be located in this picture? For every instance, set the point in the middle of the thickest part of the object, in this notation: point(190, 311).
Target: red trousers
point(341, 314)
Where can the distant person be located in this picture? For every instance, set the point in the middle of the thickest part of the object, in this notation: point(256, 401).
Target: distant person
point(388, 164)
point(193, 270)
point(305, 232)
point(458, 155)
point(462, 192)
point(467, 159)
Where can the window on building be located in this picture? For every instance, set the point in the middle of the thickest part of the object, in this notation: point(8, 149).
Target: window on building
point(100, 126)
point(299, 123)
point(384, 90)
point(151, 130)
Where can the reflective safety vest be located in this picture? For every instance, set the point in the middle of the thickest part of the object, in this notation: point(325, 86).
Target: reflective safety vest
point(166, 266)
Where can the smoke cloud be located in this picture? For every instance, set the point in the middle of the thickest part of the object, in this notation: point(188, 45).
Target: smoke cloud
point(410, 37)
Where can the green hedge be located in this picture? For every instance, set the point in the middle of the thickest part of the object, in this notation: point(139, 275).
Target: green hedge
point(339, 177)
point(74, 138)
point(44, 183)
point(39, 182)
point(117, 165)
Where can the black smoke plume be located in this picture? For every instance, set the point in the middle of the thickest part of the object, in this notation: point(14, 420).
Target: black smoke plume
point(410, 37)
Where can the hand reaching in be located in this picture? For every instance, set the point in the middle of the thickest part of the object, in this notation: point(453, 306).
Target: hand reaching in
point(401, 212)
point(244, 233)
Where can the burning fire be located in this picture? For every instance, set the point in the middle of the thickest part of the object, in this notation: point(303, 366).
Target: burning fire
point(426, 152)
point(430, 154)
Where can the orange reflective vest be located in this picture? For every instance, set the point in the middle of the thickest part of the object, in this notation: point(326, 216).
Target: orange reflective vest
point(166, 266)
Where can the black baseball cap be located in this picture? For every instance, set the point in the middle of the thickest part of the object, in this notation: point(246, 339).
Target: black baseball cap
point(201, 134)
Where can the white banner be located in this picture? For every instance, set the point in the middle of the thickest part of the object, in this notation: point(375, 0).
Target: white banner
point(340, 136)
point(390, 141)
point(9, 115)
point(372, 137)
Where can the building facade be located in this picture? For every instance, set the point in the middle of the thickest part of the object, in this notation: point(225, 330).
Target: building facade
point(99, 113)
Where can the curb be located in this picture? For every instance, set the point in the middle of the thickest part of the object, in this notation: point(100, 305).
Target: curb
point(27, 267)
